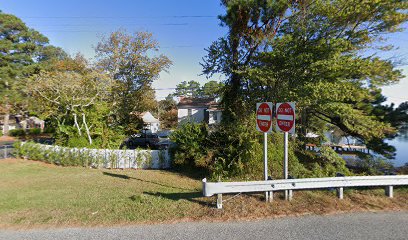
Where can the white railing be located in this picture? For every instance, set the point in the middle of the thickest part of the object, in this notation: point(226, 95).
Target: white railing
point(219, 188)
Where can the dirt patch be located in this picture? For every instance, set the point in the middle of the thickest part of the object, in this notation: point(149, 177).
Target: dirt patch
point(20, 160)
point(11, 160)
point(7, 139)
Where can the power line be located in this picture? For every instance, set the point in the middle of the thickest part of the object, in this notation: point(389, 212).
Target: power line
point(118, 17)
point(105, 24)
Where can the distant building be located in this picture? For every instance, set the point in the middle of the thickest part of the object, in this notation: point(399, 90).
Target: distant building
point(19, 122)
point(198, 110)
point(150, 123)
point(32, 122)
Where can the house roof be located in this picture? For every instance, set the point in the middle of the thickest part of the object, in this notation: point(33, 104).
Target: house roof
point(188, 102)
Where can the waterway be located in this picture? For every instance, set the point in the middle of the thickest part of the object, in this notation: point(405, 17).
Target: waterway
point(401, 144)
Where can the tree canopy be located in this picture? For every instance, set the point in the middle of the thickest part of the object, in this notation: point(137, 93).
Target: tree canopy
point(132, 61)
point(211, 89)
point(23, 52)
point(314, 53)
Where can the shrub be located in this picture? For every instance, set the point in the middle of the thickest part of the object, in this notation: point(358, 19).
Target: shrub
point(17, 132)
point(78, 141)
point(17, 149)
point(235, 151)
point(191, 146)
point(34, 131)
point(49, 130)
point(238, 153)
point(373, 165)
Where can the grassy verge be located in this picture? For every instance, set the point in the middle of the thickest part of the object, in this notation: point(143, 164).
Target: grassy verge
point(38, 194)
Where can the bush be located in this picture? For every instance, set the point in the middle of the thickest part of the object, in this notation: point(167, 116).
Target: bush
point(235, 151)
point(238, 153)
point(34, 131)
point(232, 151)
point(49, 130)
point(373, 165)
point(191, 146)
point(78, 142)
point(17, 132)
point(325, 163)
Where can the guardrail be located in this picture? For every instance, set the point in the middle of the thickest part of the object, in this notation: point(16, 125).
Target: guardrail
point(219, 188)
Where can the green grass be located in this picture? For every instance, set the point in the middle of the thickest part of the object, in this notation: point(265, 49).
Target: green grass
point(38, 194)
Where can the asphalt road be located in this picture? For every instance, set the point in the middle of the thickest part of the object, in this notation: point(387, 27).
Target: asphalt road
point(343, 226)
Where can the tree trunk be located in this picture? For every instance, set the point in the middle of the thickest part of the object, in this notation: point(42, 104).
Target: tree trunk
point(6, 123)
point(87, 129)
point(76, 125)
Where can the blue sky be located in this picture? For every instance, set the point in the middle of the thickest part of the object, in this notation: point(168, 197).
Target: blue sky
point(182, 27)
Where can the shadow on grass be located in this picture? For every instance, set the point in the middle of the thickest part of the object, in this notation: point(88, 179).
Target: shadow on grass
point(123, 176)
point(190, 173)
point(189, 196)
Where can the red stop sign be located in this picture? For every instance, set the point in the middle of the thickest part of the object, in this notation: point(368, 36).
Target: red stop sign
point(285, 117)
point(264, 117)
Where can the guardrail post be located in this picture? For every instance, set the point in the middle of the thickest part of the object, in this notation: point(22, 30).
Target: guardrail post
point(289, 196)
point(339, 192)
point(270, 197)
point(270, 193)
point(389, 191)
point(219, 201)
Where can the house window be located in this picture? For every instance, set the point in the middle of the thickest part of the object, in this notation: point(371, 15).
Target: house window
point(189, 112)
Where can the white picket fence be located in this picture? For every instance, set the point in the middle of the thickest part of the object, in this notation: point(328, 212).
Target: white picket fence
point(106, 158)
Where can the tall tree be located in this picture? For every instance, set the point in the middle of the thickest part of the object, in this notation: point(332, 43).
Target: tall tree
point(132, 61)
point(311, 52)
point(21, 52)
point(188, 89)
point(167, 112)
point(212, 89)
point(68, 92)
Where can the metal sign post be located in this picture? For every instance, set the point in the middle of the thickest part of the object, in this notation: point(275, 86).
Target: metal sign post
point(285, 122)
point(264, 124)
point(265, 154)
point(285, 161)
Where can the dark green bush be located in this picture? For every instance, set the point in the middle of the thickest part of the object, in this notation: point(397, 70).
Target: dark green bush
point(235, 151)
point(238, 153)
point(49, 130)
point(78, 141)
point(191, 148)
point(34, 131)
point(17, 132)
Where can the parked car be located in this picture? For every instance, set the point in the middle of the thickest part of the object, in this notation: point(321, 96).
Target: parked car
point(145, 140)
point(164, 134)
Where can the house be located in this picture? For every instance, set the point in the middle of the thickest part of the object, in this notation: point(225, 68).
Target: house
point(32, 122)
point(150, 123)
point(16, 122)
point(198, 110)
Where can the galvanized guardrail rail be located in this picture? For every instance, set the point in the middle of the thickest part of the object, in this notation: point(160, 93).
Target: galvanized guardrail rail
point(219, 188)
